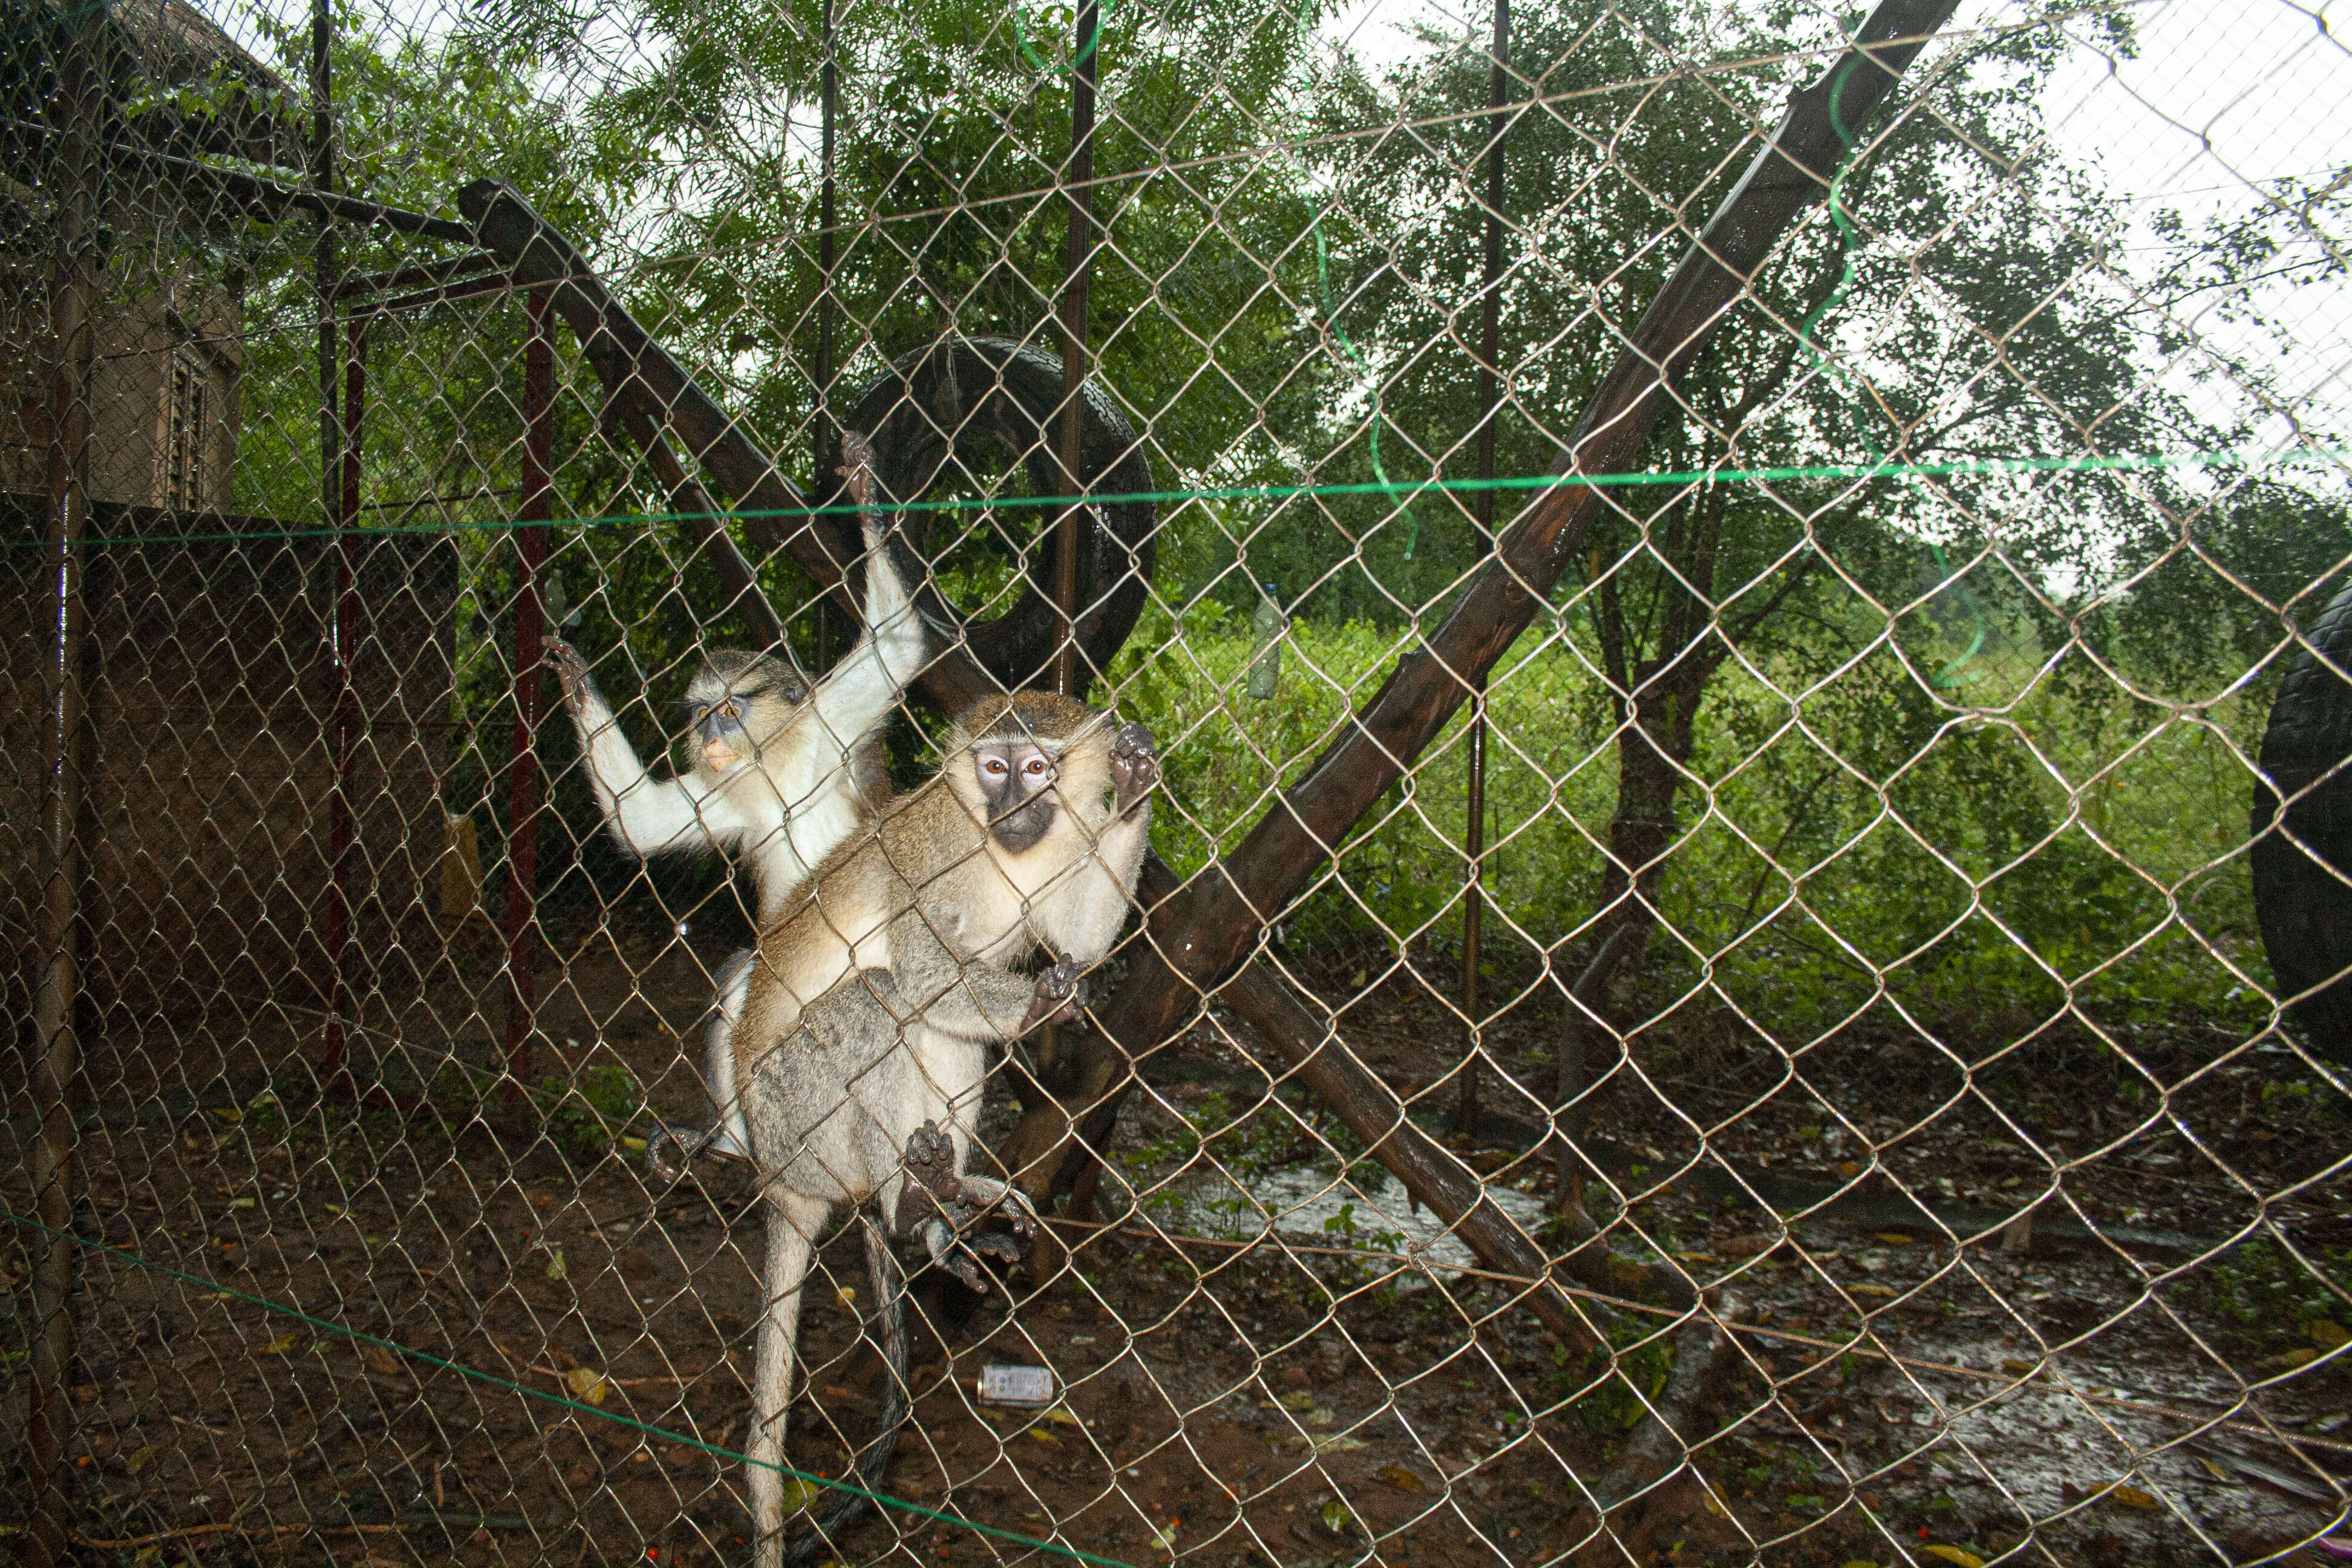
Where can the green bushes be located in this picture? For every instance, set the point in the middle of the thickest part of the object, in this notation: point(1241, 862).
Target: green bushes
point(1860, 827)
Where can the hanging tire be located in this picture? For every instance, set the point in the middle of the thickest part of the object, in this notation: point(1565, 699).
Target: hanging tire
point(2303, 903)
point(957, 390)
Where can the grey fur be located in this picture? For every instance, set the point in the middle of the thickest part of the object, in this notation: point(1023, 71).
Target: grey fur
point(903, 947)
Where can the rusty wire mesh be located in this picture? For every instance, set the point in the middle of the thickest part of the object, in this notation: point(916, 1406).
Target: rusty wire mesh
point(1770, 1055)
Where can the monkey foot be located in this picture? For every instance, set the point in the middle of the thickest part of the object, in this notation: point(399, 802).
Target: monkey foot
point(1134, 767)
point(1061, 993)
point(671, 1148)
point(998, 1245)
point(943, 1206)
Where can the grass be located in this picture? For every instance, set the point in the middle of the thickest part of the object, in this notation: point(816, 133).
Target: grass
point(1860, 846)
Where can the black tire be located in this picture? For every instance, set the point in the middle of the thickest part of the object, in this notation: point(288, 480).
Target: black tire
point(966, 387)
point(2303, 906)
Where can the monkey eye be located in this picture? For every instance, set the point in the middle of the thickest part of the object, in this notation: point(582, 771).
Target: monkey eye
point(993, 766)
point(1037, 766)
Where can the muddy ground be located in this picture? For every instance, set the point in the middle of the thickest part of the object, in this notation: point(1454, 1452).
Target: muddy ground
point(1267, 1358)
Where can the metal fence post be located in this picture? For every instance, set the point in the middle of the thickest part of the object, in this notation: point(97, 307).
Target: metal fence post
point(1078, 270)
point(529, 627)
point(343, 646)
point(50, 1157)
point(821, 427)
point(1473, 905)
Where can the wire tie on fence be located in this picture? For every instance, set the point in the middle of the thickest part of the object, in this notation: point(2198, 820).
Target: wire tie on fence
point(228, 1293)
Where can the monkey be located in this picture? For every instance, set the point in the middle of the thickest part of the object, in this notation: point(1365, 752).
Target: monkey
point(780, 776)
point(861, 1042)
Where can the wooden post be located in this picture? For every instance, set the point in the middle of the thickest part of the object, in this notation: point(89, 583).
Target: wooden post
point(342, 648)
point(50, 1157)
point(530, 629)
point(1465, 1119)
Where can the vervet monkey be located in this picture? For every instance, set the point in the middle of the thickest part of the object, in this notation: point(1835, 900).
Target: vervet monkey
point(861, 1047)
point(781, 776)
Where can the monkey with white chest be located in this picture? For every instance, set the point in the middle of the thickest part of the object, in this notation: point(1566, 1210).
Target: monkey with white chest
point(861, 1046)
point(780, 775)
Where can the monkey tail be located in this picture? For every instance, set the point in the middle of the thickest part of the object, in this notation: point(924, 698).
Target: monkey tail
point(890, 1294)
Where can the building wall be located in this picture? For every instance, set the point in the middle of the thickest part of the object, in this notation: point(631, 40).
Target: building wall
point(165, 383)
point(208, 762)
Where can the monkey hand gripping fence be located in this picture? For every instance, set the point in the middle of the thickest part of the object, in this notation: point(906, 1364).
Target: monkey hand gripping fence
point(1665, 879)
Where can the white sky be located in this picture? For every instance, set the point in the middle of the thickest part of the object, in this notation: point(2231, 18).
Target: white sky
point(2222, 94)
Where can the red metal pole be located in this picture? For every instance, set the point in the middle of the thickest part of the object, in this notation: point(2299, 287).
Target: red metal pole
point(522, 819)
point(343, 646)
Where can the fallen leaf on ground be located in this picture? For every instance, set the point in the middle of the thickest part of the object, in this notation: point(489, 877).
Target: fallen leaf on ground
point(2132, 1497)
point(555, 1269)
point(1891, 1237)
point(2329, 1334)
point(1869, 1289)
point(379, 1358)
point(1399, 1477)
point(1062, 1415)
point(1954, 1554)
point(281, 1344)
point(585, 1383)
point(140, 1457)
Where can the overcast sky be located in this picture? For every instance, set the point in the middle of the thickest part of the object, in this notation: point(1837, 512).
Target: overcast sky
point(2222, 94)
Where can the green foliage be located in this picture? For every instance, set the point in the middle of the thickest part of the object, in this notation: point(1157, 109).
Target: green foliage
point(1637, 1357)
point(2273, 1298)
point(583, 1113)
point(2095, 881)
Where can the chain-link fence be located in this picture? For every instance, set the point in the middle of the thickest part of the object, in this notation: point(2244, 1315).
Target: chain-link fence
point(1712, 587)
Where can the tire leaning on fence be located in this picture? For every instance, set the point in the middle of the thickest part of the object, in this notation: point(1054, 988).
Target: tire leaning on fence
point(2305, 905)
point(954, 390)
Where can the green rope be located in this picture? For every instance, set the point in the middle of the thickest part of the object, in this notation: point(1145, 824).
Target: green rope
point(1363, 368)
point(884, 1498)
point(2129, 462)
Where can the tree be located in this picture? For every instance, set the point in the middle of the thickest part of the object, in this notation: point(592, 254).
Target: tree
point(1986, 314)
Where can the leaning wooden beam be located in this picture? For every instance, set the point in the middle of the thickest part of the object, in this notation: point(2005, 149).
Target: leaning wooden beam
point(1200, 934)
point(654, 393)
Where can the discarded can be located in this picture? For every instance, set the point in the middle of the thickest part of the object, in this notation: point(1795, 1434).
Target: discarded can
point(1017, 1387)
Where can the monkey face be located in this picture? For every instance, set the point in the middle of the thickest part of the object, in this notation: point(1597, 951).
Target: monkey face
point(1016, 782)
point(737, 703)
